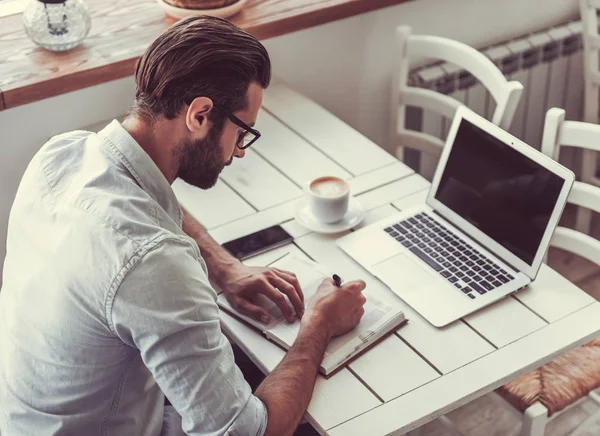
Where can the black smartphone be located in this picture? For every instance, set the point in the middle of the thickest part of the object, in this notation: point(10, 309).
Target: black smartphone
point(258, 242)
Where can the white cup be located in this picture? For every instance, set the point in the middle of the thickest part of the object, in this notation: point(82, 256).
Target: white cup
point(328, 198)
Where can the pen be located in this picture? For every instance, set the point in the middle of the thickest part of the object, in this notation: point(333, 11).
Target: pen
point(337, 280)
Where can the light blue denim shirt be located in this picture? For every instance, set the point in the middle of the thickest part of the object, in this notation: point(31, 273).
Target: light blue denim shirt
point(106, 303)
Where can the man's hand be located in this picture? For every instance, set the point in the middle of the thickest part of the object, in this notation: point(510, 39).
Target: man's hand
point(337, 309)
point(242, 284)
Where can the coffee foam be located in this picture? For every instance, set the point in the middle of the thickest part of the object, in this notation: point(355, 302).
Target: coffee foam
point(328, 187)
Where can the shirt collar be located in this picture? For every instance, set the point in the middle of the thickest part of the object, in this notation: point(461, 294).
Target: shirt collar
point(142, 167)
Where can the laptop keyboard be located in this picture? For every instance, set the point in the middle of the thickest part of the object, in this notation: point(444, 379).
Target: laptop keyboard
point(450, 256)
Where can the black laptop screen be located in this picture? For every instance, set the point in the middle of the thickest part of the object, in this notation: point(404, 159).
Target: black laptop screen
point(503, 193)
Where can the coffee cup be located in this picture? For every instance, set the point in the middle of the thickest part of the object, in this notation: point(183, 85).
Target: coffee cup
point(328, 198)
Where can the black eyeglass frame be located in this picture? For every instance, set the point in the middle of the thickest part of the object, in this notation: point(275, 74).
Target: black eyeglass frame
point(235, 120)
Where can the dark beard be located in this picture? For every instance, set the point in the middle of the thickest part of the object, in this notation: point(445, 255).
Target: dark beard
point(201, 161)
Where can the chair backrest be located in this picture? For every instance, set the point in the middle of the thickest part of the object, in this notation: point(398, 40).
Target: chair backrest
point(591, 48)
point(588, 196)
point(560, 133)
point(557, 133)
point(409, 46)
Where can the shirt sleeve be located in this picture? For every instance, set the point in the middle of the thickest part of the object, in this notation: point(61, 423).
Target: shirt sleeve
point(166, 308)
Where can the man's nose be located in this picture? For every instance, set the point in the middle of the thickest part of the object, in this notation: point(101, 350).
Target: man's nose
point(239, 152)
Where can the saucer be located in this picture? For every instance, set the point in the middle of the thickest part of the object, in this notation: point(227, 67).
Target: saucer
point(353, 217)
point(179, 13)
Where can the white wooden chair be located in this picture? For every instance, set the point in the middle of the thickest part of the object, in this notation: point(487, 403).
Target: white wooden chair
point(560, 133)
point(578, 371)
point(591, 112)
point(409, 46)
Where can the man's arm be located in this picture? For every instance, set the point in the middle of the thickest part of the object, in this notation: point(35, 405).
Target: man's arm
point(288, 389)
point(217, 259)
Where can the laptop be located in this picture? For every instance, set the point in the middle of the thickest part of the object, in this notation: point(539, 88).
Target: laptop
point(483, 231)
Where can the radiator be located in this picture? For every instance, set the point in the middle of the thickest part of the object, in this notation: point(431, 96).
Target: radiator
point(549, 64)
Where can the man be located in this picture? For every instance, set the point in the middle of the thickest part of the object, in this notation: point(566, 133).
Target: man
point(106, 306)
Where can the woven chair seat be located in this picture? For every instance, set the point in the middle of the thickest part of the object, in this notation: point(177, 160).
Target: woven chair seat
point(559, 383)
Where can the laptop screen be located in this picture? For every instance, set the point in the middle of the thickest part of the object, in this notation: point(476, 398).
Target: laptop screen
point(503, 193)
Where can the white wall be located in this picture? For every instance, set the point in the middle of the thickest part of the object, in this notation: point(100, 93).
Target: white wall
point(344, 66)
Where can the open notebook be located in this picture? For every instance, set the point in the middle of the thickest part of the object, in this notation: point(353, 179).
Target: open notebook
point(383, 313)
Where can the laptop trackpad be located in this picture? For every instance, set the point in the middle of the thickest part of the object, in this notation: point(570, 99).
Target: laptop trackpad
point(402, 274)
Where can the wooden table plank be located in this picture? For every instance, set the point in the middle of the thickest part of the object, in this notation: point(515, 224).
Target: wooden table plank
point(447, 348)
point(552, 296)
point(353, 152)
point(379, 177)
point(253, 222)
point(419, 197)
point(392, 191)
point(122, 29)
point(377, 214)
point(258, 182)
point(291, 154)
point(338, 399)
point(483, 375)
point(214, 206)
point(392, 369)
point(491, 322)
point(294, 228)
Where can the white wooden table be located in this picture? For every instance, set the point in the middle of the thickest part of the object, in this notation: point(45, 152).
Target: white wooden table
point(419, 372)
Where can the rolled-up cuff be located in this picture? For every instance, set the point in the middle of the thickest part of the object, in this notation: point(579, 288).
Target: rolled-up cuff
point(252, 421)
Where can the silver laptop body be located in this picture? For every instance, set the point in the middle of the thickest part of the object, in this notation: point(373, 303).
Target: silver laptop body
point(490, 213)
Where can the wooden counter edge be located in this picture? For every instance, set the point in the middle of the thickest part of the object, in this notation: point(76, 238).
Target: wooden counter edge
point(22, 94)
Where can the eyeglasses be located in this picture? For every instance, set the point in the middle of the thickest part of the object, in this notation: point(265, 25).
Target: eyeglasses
point(246, 138)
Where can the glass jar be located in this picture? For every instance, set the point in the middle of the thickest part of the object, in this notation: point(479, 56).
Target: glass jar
point(56, 25)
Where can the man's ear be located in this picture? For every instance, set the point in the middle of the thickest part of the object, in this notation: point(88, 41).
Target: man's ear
point(196, 117)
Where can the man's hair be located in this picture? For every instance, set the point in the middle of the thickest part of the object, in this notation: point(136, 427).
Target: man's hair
point(199, 57)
